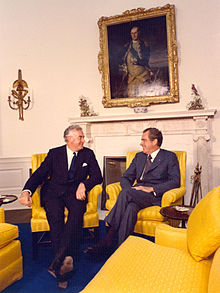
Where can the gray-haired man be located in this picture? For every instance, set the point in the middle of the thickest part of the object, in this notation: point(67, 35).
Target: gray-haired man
point(67, 174)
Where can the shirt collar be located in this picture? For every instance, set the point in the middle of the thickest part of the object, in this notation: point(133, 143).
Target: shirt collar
point(70, 152)
point(154, 154)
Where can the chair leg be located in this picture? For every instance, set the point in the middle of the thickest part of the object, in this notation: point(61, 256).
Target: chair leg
point(92, 233)
point(35, 245)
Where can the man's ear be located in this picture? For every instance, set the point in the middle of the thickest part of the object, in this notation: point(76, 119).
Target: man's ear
point(155, 141)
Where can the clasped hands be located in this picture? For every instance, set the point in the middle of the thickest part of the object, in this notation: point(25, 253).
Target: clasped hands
point(147, 189)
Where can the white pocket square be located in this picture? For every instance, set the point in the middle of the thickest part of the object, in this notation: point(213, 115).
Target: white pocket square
point(84, 164)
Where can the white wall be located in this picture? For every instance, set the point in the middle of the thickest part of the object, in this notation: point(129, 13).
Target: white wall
point(56, 43)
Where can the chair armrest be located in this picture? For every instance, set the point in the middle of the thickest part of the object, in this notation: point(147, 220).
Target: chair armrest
point(2, 215)
point(166, 235)
point(8, 232)
point(94, 193)
point(170, 197)
point(113, 192)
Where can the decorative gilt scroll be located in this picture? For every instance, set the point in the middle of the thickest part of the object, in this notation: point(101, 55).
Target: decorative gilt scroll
point(138, 57)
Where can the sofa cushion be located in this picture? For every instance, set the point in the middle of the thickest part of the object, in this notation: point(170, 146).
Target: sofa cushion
point(214, 279)
point(139, 265)
point(8, 232)
point(203, 228)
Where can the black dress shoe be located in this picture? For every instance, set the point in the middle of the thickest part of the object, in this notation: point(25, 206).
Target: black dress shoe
point(52, 272)
point(54, 267)
point(62, 285)
point(65, 272)
point(99, 249)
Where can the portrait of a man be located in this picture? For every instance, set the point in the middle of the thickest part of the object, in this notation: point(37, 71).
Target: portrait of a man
point(138, 58)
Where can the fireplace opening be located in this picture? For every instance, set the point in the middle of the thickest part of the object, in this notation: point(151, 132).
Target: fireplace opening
point(113, 169)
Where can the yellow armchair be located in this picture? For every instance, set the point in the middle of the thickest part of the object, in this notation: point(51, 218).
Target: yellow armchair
point(11, 264)
point(39, 221)
point(149, 218)
point(182, 260)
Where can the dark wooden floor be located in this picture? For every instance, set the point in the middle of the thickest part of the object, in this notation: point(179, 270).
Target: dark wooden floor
point(18, 216)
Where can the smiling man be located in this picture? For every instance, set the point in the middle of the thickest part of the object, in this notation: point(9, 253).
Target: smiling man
point(67, 174)
point(156, 171)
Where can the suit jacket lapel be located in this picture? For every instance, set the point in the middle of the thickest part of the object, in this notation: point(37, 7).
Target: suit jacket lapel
point(141, 164)
point(62, 160)
point(157, 160)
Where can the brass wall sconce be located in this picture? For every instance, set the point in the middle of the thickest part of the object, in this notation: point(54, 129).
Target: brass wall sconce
point(19, 100)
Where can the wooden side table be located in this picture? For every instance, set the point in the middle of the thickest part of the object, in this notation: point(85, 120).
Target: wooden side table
point(177, 212)
point(7, 198)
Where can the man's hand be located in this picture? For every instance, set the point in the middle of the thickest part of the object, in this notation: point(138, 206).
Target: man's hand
point(147, 189)
point(25, 198)
point(81, 192)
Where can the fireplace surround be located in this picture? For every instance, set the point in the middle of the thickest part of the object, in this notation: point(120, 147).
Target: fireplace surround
point(190, 131)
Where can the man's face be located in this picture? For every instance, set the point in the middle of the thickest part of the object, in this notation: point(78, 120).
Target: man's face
point(149, 146)
point(135, 33)
point(75, 140)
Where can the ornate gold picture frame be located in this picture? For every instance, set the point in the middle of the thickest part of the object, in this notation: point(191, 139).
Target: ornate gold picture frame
point(138, 57)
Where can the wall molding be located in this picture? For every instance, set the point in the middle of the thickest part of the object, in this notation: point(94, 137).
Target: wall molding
point(14, 172)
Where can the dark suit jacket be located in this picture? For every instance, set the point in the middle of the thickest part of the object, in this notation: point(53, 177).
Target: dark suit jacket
point(53, 172)
point(163, 175)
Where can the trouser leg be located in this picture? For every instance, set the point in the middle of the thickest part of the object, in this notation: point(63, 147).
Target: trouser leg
point(73, 228)
point(128, 222)
point(55, 216)
point(123, 216)
point(116, 214)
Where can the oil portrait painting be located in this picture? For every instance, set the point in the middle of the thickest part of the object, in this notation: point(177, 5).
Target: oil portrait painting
point(138, 58)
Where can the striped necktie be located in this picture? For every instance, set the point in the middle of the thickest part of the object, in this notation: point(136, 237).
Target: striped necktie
point(146, 167)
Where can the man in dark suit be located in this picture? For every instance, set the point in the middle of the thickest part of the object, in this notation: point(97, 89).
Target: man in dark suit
point(67, 174)
point(156, 171)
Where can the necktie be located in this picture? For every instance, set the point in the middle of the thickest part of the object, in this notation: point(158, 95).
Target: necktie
point(71, 169)
point(146, 167)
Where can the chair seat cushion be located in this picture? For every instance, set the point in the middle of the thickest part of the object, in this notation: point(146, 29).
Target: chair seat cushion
point(8, 232)
point(150, 213)
point(150, 268)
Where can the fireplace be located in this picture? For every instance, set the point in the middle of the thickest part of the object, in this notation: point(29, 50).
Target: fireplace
point(113, 169)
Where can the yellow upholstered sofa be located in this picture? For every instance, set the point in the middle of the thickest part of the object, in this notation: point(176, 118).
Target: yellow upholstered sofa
point(182, 260)
point(149, 218)
point(39, 222)
point(11, 265)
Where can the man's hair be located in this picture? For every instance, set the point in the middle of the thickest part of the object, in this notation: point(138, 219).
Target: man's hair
point(135, 26)
point(154, 133)
point(69, 129)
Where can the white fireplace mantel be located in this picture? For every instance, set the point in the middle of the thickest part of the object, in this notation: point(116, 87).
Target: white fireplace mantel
point(146, 116)
point(190, 131)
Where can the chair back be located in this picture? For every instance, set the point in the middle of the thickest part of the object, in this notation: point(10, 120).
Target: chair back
point(36, 161)
point(181, 156)
point(2, 215)
point(203, 226)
